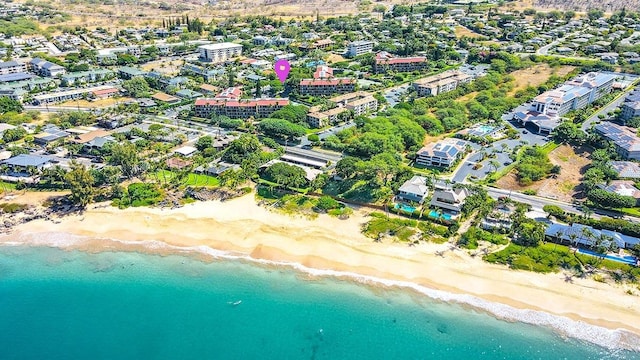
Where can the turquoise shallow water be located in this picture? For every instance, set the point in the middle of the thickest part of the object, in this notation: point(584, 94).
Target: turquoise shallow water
point(58, 304)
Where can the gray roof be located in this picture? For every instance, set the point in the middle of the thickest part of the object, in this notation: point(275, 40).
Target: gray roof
point(25, 160)
point(8, 64)
point(626, 169)
point(15, 77)
point(566, 230)
point(416, 185)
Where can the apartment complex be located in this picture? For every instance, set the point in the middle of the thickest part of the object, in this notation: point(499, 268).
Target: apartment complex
point(238, 109)
point(61, 96)
point(359, 47)
point(441, 83)
point(324, 118)
point(625, 140)
point(386, 62)
point(631, 106)
point(87, 76)
point(221, 52)
point(324, 87)
point(12, 67)
point(574, 94)
point(443, 153)
point(359, 102)
point(46, 68)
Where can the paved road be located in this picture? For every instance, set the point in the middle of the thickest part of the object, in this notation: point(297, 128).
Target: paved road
point(605, 110)
point(537, 203)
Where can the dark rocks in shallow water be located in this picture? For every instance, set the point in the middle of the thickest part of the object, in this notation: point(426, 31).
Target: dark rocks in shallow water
point(443, 329)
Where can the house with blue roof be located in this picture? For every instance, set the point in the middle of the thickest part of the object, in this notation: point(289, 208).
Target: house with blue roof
point(626, 141)
point(24, 167)
point(443, 153)
point(414, 189)
point(577, 234)
point(46, 68)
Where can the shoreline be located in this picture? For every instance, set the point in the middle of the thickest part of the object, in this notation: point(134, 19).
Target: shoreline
point(240, 229)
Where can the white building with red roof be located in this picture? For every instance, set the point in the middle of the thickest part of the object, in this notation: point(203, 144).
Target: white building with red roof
point(238, 109)
point(386, 62)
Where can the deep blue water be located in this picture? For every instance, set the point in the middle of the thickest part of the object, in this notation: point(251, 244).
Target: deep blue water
point(57, 304)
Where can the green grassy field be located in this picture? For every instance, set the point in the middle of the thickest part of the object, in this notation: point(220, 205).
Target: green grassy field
point(7, 186)
point(191, 180)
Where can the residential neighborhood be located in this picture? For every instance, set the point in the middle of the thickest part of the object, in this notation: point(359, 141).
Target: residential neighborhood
point(457, 115)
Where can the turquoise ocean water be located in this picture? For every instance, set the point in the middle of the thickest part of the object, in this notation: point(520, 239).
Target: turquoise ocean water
point(57, 304)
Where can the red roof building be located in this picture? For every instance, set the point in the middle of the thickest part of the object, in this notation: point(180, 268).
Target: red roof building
point(238, 109)
point(315, 87)
point(386, 62)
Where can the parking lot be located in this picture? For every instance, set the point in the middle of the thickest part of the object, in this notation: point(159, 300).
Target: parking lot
point(498, 151)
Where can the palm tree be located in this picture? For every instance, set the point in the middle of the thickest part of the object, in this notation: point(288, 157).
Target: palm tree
point(573, 238)
point(587, 235)
point(4, 168)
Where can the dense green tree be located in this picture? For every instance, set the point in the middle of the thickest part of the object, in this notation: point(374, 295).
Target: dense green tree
point(137, 87)
point(296, 114)
point(204, 143)
point(81, 183)
point(9, 105)
point(603, 198)
point(347, 167)
point(528, 232)
point(569, 132)
point(534, 165)
point(14, 134)
point(241, 149)
point(286, 175)
point(282, 129)
point(126, 156)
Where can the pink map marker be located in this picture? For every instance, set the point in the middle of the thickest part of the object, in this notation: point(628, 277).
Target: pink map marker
point(282, 68)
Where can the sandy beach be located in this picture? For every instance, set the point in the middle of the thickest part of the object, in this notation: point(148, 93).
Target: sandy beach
point(242, 227)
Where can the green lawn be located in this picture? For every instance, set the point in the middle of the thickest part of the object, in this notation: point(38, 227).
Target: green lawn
point(191, 180)
point(7, 186)
point(631, 211)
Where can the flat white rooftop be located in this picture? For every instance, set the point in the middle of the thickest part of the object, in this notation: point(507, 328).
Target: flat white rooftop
point(219, 46)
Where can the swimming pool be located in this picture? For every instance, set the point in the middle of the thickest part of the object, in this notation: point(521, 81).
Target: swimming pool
point(405, 207)
point(481, 130)
point(630, 260)
point(443, 216)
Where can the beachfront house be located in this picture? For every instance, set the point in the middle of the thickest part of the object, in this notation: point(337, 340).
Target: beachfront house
point(578, 234)
point(24, 167)
point(499, 218)
point(414, 190)
point(447, 197)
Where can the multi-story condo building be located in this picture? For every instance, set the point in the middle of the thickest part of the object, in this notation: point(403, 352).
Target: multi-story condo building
point(386, 62)
point(441, 83)
point(221, 52)
point(574, 94)
point(12, 67)
point(362, 105)
point(631, 106)
point(359, 102)
point(46, 68)
point(359, 47)
point(87, 76)
point(625, 140)
point(238, 109)
point(322, 87)
point(443, 153)
point(322, 119)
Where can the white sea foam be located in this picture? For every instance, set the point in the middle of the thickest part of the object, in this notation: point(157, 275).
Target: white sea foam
point(610, 339)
